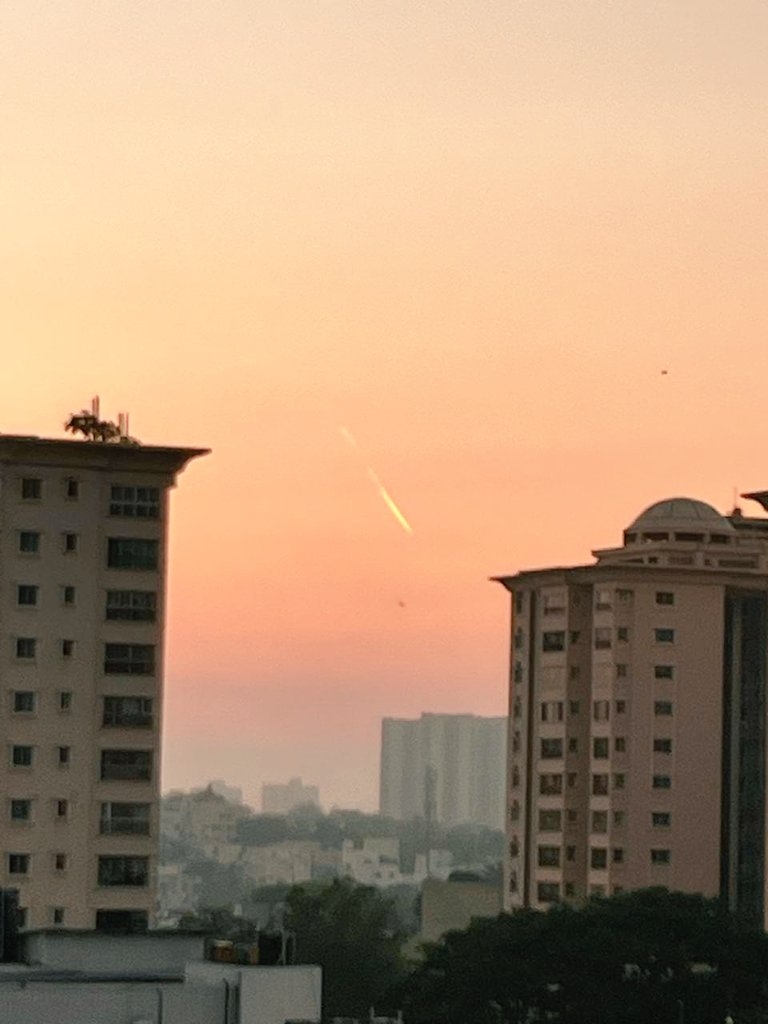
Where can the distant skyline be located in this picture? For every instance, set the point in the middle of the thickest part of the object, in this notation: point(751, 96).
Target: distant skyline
point(474, 235)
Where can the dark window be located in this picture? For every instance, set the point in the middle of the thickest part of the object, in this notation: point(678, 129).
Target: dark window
point(548, 892)
point(551, 748)
point(598, 858)
point(129, 659)
point(664, 636)
point(18, 863)
point(602, 638)
point(29, 542)
point(573, 707)
point(550, 785)
point(600, 747)
point(622, 634)
point(572, 779)
point(31, 488)
point(620, 744)
point(129, 712)
point(65, 700)
point(622, 671)
point(619, 781)
point(599, 821)
point(26, 647)
point(122, 921)
point(618, 855)
point(64, 753)
point(662, 782)
point(661, 819)
point(574, 672)
point(21, 810)
point(70, 543)
point(618, 819)
point(68, 595)
point(72, 487)
point(134, 502)
point(621, 707)
point(662, 707)
point(124, 819)
point(141, 606)
point(21, 756)
point(663, 672)
point(518, 672)
point(129, 765)
point(60, 862)
point(573, 637)
point(62, 808)
point(519, 639)
point(553, 641)
point(570, 854)
point(600, 785)
point(124, 871)
point(573, 745)
point(662, 746)
point(26, 594)
point(67, 648)
point(660, 857)
point(549, 856)
point(550, 821)
point(23, 700)
point(665, 597)
point(552, 711)
point(132, 553)
point(58, 915)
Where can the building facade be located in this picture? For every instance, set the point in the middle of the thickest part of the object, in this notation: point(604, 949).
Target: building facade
point(453, 764)
point(637, 725)
point(83, 531)
point(282, 797)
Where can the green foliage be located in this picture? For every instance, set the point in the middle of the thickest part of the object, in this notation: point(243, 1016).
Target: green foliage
point(350, 930)
point(649, 956)
point(94, 429)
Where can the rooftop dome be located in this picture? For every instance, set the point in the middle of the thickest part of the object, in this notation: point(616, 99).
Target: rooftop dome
point(681, 515)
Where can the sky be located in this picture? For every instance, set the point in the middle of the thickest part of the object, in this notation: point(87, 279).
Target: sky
point(474, 234)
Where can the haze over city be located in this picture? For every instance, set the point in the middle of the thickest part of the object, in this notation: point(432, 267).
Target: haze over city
point(516, 250)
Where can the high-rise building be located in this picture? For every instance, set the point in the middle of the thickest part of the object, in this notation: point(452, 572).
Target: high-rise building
point(637, 727)
point(83, 554)
point(282, 797)
point(451, 768)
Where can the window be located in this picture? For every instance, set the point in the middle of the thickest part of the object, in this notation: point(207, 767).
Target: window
point(603, 600)
point(665, 597)
point(662, 745)
point(514, 811)
point(602, 638)
point(519, 639)
point(550, 821)
point(31, 488)
point(662, 707)
point(661, 819)
point(599, 821)
point(570, 889)
point(60, 862)
point(26, 647)
point(128, 765)
point(552, 711)
point(141, 606)
point(125, 819)
point(600, 785)
point(65, 700)
point(660, 857)
point(26, 595)
point(18, 863)
point(134, 502)
point(622, 671)
point(21, 810)
point(662, 782)
point(64, 756)
point(618, 818)
point(123, 921)
point(622, 634)
point(517, 710)
point(572, 816)
point(549, 856)
point(515, 780)
point(663, 672)
point(625, 596)
point(517, 675)
point(574, 636)
point(600, 747)
point(570, 854)
point(553, 641)
point(574, 672)
point(67, 648)
point(548, 892)
point(554, 604)
point(621, 707)
point(598, 858)
point(129, 659)
point(573, 745)
point(132, 553)
point(619, 780)
point(550, 785)
point(23, 700)
point(664, 636)
point(72, 488)
point(124, 871)
point(514, 848)
point(68, 595)
point(571, 779)
point(551, 748)
point(618, 855)
point(573, 707)
point(29, 542)
point(601, 710)
point(62, 808)
point(21, 757)
point(58, 915)
point(70, 543)
point(128, 712)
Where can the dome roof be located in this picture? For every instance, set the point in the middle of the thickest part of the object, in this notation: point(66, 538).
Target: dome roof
point(682, 515)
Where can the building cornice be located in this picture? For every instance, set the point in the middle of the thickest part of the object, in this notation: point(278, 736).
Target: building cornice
point(95, 454)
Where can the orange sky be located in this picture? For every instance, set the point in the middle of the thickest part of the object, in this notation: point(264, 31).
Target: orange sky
point(472, 232)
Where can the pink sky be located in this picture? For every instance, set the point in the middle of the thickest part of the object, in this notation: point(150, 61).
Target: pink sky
point(473, 233)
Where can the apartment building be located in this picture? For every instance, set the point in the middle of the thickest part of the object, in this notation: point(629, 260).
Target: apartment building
point(637, 725)
point(83, 555)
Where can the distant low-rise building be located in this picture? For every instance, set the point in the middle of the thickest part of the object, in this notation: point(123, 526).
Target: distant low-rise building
point(282, 797)
point(452, 905)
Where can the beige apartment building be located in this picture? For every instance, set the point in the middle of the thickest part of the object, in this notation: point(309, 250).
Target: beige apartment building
point(637, 725)
point(83, 549)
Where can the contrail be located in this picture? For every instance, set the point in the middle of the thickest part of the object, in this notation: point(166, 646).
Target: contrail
point(384, 494)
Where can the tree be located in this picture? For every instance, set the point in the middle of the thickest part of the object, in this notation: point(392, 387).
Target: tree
point(350, 930)
point(636, 958)
point(94, 429)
